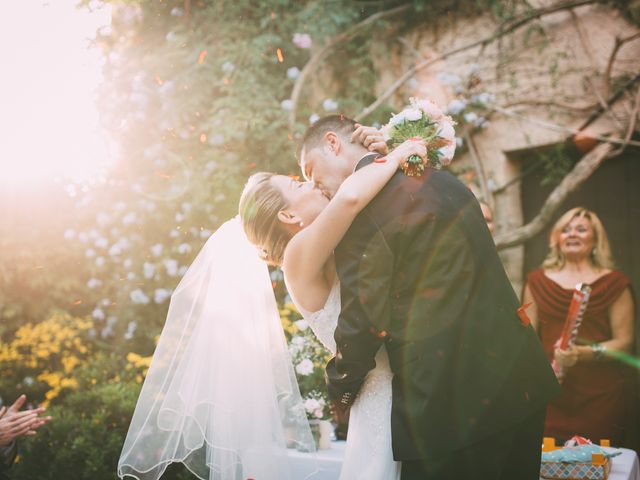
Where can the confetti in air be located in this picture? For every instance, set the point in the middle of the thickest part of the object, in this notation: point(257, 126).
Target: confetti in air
point(280, 56)
point(201, 57)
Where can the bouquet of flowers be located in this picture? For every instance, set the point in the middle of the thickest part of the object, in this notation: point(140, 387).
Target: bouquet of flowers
point(423, 119)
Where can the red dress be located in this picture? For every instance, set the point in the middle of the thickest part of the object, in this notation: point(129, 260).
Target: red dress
point(598, 399)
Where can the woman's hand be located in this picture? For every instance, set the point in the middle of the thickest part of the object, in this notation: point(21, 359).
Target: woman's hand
point(567, 358)
point(413, 146)
point(371, 138)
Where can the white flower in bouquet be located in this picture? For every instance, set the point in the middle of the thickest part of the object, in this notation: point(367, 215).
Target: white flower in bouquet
point(412, 114)
point(305, 367)
point(423, 119)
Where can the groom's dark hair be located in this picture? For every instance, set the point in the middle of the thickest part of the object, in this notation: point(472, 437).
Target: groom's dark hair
point(314, 135)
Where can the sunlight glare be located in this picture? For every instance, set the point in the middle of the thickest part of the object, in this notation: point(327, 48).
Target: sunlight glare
point(48, 118)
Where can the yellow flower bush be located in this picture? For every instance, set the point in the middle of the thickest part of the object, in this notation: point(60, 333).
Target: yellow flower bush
point(49, 351)
point(140, 363)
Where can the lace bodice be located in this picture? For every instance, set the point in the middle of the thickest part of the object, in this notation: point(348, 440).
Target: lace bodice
point(324, 321)
point(368, 455)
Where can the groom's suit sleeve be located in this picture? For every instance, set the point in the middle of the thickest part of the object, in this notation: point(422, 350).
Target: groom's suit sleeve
point(364, 263)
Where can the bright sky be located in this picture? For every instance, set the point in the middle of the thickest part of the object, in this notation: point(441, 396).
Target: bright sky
point(48, 119)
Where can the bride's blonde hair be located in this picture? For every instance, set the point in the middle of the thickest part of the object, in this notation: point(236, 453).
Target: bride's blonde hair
point(260, 203)
point(600, 256)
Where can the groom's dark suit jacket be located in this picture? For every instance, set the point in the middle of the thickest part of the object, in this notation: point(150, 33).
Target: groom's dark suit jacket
point(420, 274)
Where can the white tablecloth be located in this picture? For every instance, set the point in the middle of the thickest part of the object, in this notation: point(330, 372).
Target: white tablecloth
point(625, 466)
point(328, 462)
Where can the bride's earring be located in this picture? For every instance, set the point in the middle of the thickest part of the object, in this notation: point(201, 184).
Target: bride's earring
point(301, 224)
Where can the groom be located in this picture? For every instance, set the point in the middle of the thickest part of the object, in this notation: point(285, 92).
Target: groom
point(420, 274)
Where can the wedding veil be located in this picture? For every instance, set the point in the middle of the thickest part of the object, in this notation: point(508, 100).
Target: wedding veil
point(221, 395)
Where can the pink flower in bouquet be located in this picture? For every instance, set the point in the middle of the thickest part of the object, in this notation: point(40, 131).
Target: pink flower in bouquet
point(448, 133)
point(429, 108)
point(302, 40)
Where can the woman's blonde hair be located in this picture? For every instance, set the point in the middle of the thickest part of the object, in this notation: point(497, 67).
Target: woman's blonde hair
point(260, 203)
point(600, 256)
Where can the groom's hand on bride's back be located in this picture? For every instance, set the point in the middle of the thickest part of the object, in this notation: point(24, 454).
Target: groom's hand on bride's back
point(371, 138)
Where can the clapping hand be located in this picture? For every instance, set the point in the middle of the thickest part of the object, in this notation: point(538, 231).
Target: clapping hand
point(566, 358)
point(14, 423)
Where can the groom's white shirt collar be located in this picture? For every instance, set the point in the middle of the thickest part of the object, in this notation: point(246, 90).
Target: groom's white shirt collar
point(365, 160)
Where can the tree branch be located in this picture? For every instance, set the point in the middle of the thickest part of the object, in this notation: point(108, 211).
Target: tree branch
point(562, 129)
point(632, 125)
point(613, 99)
point(504, 29)
point(477, 164)
point(319, 56)
point(612, 58)
point(580, 172)
point(549, 103)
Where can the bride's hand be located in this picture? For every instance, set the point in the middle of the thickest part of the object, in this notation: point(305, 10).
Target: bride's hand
point(413, 146)
point(371, 138)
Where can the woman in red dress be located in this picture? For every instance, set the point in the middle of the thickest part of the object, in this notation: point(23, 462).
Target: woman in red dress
point(599, 395)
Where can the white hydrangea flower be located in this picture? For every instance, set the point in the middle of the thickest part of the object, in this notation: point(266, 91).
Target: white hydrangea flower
point(205, 233)
point(101, 242)
point(293, 73)
point(90, 253)
point(129, 218)
point(330, 105)
point(161, 294)
point(131, 276)
point(298, 340)
point(157, 249)
point(127, 263)
point(311, 405)
point(449, 78)
point(174, 233)
point(98, 314)
point(148, 270)
point(286, 104)
point(456, 106)
point(183, 270)
point(93, 283)
point(100, 261)
point(305, 367)
point(302, 325)
point(228, 67)
point(177, 12)
point(184, 248)
point(171, 266)
point(139, 297)
point(470, 117)
point(115, 250)
point(313, 118)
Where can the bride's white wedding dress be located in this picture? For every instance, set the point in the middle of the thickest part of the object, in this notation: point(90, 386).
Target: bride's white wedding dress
point(368, 453)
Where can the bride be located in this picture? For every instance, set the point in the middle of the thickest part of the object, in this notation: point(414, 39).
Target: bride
point(221, 395)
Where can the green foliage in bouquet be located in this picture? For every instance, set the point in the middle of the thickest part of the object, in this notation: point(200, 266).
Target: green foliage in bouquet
point(424, 128)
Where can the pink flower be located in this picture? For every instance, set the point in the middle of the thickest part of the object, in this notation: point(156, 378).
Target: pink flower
point(302, 40)
point(429, 108)
point(447, 132)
